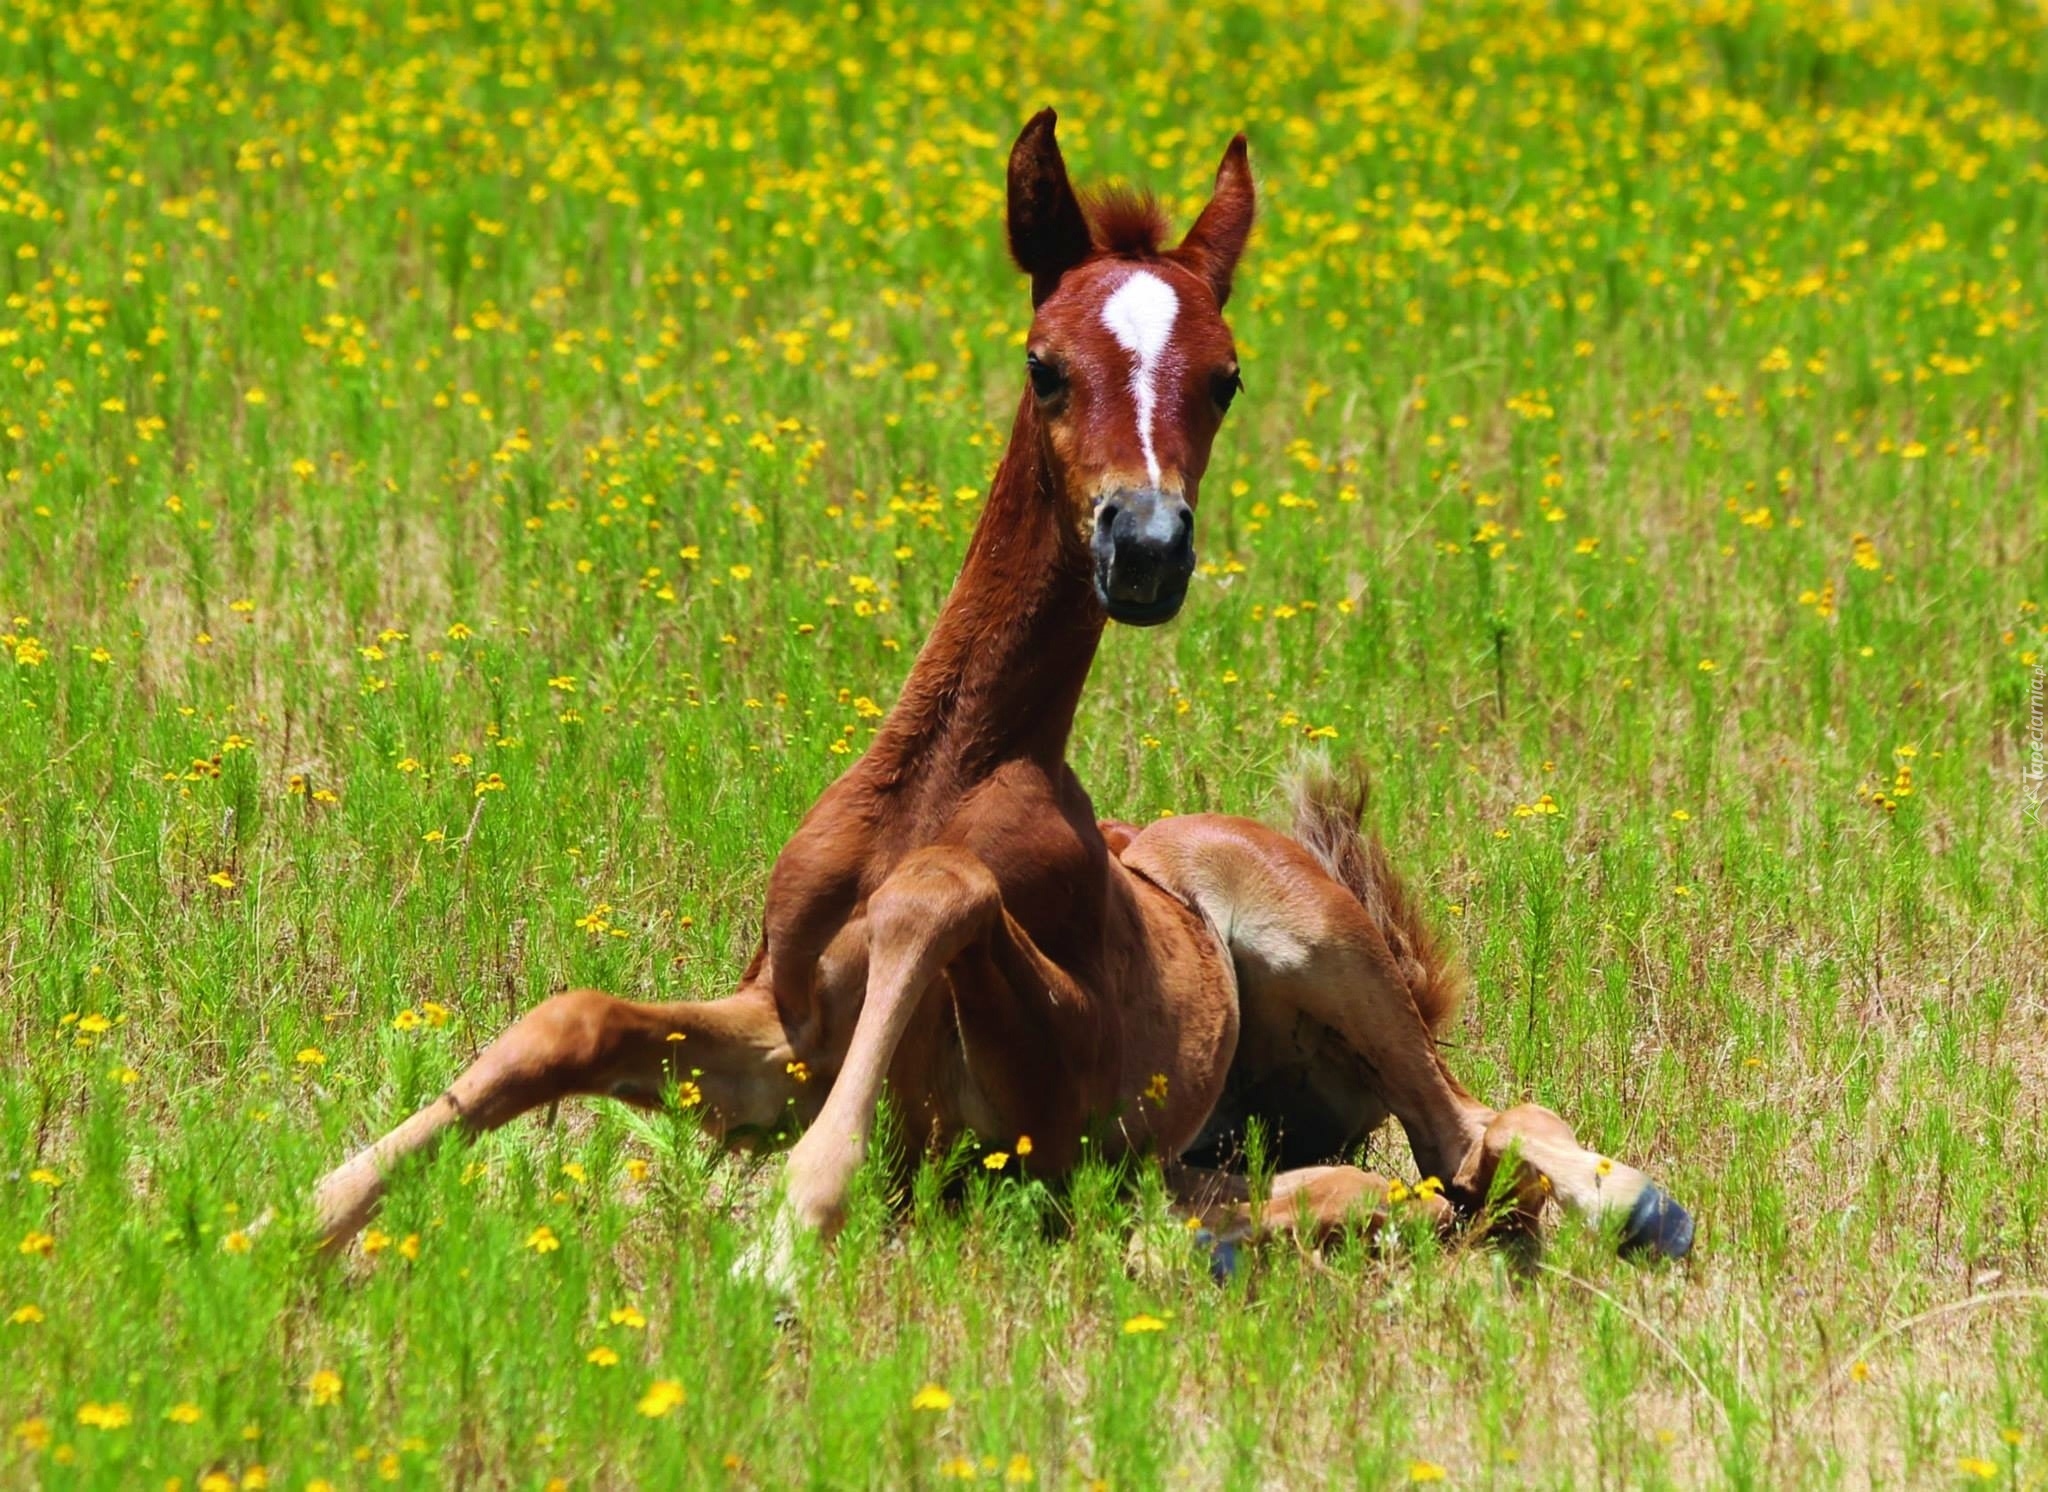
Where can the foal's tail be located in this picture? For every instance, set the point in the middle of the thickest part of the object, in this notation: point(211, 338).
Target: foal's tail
point(1329, 809)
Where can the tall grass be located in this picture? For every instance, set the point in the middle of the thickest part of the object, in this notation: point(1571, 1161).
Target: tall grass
point(470, 476)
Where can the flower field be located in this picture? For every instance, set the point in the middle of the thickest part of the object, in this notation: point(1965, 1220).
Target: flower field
point(470, 475)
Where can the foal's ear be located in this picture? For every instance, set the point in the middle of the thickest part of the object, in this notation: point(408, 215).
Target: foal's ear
point(1048, 230)
point(1214, 244)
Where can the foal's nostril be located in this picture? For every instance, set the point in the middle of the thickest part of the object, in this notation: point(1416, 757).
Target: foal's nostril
point(1105, 518)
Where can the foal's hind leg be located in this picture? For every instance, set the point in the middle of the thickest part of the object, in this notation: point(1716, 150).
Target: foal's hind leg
point(1311, 1203)
point(1550, 1162)
point(584, 1043)
point(1302, 941)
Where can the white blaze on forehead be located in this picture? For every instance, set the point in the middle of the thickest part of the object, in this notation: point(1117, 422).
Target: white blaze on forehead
point(1140, 315)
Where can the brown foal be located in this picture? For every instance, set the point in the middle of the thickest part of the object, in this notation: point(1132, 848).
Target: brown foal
point(952, 922)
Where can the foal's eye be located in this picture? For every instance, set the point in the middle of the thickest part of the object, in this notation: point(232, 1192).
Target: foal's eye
point(1226, 386)
point(1047, 379)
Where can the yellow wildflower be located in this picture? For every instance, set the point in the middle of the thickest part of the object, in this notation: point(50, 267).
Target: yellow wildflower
point(112, 1416)
point(662, 1396)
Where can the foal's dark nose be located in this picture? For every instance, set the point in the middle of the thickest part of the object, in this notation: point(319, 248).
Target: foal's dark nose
point(1144, 554)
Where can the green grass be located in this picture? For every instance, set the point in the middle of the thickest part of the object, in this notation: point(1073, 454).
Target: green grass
point(1642, 467)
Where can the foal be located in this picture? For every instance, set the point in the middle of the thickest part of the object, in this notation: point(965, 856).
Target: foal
point(951, 921)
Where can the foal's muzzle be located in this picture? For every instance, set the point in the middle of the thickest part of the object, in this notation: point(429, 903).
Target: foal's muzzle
point(1144, 553)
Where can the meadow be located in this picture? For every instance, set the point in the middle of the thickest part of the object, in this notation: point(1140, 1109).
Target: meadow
point(471, 474)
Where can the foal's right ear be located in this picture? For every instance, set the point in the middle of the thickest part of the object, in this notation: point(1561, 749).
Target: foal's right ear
point(1048, 230)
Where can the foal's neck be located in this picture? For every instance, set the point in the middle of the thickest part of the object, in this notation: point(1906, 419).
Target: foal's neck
point(1001, 675)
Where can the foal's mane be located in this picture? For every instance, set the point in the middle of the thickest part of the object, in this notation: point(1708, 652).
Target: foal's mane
point(1127, 222)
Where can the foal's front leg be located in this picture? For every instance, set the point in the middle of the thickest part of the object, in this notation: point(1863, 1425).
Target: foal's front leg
point(1029, 1062)
point(935, 905)
point(581, 1042)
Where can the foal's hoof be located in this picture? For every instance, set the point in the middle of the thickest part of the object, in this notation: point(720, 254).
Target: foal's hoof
point(770, 1263)
point(1657, 1225)
point(1222, 1254)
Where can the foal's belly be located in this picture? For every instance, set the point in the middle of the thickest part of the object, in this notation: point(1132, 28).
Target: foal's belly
point(1178, 1010)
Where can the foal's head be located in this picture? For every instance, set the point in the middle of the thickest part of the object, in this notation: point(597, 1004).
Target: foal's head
point(1130, 362)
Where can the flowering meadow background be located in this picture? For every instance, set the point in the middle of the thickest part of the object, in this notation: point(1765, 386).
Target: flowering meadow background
point(470, 475)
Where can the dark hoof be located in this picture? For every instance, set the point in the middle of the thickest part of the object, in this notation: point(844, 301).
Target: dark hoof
point(1222, 1255)
point(1657, 1225)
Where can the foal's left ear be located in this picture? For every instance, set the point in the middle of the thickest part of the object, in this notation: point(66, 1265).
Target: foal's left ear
point(1214, 244)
